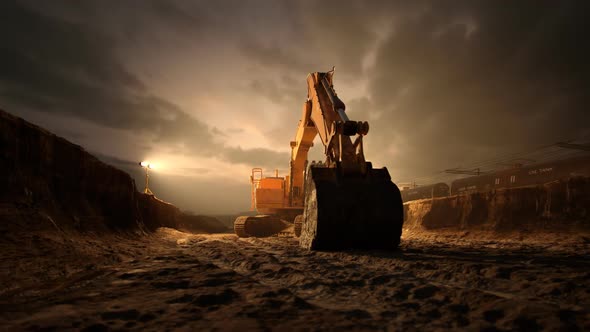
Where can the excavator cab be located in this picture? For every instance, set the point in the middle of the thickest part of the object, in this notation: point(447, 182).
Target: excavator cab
point(269, 197)
point(268, 193)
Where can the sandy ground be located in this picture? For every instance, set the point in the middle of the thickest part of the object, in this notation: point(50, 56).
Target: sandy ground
point(178, 281)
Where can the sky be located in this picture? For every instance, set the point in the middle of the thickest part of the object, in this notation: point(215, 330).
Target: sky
point(207, 90)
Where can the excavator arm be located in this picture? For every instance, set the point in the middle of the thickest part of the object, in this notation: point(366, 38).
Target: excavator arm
point(324, 115)
point(347, 203)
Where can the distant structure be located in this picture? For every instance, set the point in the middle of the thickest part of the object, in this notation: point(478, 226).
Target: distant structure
point(406, 185)
point(518, 175)
point(147, 166)
point(427, 191)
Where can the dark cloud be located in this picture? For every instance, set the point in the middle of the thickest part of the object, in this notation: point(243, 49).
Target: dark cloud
point(469, 76)
point(453, 82)
point(258, 156)
point(274, 56)
point(58, 66)
point(340, 32)
point(321, 34)
point(71, 68)
point(279, 92)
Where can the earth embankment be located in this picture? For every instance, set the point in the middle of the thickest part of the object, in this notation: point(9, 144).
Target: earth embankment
point(561, 207)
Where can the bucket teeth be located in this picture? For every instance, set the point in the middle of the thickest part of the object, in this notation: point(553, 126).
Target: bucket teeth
point(352, 211)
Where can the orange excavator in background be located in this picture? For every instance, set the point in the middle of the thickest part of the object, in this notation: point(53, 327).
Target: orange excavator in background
point(341, 203)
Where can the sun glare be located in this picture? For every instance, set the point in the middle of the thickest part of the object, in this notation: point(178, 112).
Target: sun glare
point(149, 164)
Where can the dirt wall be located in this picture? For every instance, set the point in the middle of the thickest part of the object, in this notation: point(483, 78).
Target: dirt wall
point(558, 206)
point(47, 182)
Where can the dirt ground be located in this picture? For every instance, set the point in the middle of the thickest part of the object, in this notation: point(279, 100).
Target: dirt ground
point(177, 281)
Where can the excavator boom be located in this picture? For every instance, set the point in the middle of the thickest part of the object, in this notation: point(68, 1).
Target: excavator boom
point(347, 203)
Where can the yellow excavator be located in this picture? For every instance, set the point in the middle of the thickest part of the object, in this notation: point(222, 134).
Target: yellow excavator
point(341, 203)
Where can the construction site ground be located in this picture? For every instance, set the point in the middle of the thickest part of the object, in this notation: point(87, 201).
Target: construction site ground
point(174, 280)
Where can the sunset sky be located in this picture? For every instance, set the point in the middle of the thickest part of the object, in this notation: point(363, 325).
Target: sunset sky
point(209, 89)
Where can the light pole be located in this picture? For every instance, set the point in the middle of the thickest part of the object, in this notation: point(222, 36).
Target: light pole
point(147, 166)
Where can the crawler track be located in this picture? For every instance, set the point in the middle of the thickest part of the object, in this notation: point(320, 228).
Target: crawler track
point(259, 226)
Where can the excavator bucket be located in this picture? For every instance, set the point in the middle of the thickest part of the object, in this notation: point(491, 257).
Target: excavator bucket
point(362, 211)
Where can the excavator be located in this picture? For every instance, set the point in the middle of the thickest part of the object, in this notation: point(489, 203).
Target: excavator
point(341, 203)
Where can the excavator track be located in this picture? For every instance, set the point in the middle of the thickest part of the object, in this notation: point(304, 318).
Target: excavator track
point(351, 211)
point(240, 227)
point(259, 226)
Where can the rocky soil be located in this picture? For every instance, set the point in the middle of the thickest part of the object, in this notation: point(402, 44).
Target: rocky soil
point(174, 280)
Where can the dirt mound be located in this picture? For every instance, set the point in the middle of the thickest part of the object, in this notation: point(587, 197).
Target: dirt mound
point(201, 224)
point(47, 182)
